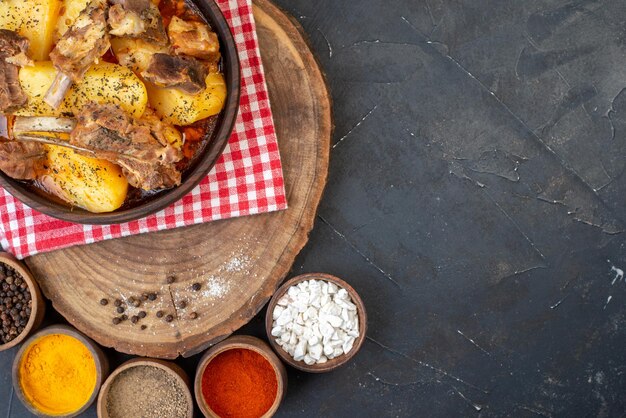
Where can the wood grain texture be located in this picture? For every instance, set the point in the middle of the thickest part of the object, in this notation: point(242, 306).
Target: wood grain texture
point(239, 262)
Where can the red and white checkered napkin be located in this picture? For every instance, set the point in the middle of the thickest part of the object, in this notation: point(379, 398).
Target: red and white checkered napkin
point(247, 178)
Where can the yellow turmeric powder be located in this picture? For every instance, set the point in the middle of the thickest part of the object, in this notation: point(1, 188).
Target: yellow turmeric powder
point(57, 374)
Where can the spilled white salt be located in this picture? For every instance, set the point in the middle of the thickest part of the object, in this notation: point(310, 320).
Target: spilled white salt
point(215, 288)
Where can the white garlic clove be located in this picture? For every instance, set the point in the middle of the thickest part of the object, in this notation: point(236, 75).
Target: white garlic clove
point(323, 359)
point(347, 346)
point(335, 321)
point(328, 349)
point(308, 360)
point(332, 288)
point(315, 351)
point(277, 331)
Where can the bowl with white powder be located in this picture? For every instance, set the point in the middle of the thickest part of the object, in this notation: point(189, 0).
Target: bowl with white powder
point(316, 322)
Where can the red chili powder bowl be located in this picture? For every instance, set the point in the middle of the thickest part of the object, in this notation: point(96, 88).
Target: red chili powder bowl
point(240, 378)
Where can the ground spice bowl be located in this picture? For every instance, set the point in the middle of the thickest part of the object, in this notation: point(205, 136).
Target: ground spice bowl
point(38, 306)
point(172, 369)
point(330, 364)
point(248, 343)
point(101, 361)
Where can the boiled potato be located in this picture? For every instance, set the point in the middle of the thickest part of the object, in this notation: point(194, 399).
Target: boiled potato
point(135, 53)
point(34, 19)
point(70, 11)
point(103, 83)
point(182, 108)
point(94, 185)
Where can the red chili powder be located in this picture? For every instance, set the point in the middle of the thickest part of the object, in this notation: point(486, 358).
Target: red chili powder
point(239, 383)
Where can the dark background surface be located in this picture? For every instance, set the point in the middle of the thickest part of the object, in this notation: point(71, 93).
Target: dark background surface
point(476, 201)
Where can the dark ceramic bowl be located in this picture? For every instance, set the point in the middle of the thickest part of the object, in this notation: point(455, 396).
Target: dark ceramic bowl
point(199, 169)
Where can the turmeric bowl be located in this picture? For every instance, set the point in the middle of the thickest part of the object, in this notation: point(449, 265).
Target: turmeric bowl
point(58, 372)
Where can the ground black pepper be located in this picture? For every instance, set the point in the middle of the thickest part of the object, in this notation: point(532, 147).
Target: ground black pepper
point(146, 391)
point(15, 304)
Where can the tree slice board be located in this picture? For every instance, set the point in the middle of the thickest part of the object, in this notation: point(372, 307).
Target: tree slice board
point(238, 262)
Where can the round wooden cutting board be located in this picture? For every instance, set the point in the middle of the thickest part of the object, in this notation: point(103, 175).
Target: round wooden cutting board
point(239, 263)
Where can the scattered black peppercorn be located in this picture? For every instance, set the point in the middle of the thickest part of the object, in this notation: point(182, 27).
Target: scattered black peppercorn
point(182, 304)
point(142, 314)
point(160, 314)
point(169, 318)
point(134, 319)
point(170, 279)
point(196, 286)
point(104, 302)
point(120, 310)
point(152, 296)
point(193, 315)
point(15, 304)
point(144, 327)
point(124, 317)
point(136, 303)
point(116, 320)
point(144, 297)
point(117, 303)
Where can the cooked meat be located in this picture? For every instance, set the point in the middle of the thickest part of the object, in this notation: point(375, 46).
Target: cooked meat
point(184, 73)
point(132, 5)
point(22, 160)
point(138, 146)
point(193, 39)
point(138, 18)
point(85, 42)
point(125, 23)
point(149, 176)
point(13, 48)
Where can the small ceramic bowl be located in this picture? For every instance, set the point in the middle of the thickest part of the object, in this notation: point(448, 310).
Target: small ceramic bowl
point(330, 364)
point(38, 306)
point(102, 366)
point(172, 369)
point(248, 343)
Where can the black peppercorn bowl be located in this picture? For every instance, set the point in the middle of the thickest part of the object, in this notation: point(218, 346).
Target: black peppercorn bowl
point(38, 306)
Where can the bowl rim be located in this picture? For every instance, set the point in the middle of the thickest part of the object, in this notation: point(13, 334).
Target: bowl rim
point(212, 13)
point(169, 367)
point(330, 364)
point(38, 306)
point(102, 366)
point(247, 342)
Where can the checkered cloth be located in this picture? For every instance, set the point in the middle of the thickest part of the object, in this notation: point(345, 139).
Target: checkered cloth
point(247, 178)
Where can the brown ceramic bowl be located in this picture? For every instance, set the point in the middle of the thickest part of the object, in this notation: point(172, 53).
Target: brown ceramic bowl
point(248, 343)
point(38, 306)
point(191, 178)
point(102, 366)
point(330, 364)
point(171, 368)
